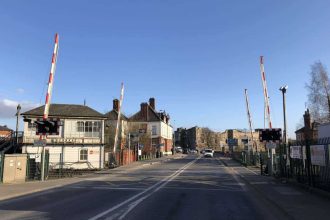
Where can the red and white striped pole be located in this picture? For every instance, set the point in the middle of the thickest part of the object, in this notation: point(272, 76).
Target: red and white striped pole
point(249, 118)
point(51, 79)
point(48, 98)
point(265, 90)
point(118, 118)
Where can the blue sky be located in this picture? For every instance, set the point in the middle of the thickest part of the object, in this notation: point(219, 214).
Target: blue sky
point(195, 57)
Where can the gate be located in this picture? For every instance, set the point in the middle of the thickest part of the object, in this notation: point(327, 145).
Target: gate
point(34, 166)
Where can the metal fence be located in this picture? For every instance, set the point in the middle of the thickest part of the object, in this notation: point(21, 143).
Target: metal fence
point(2, 158)
point(310, 167)
point(55, 167)
point(303, 168)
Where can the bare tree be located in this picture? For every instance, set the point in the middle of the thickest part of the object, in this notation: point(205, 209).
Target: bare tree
point(318, 92)
point(144, 139)
point(208, 136)
point(109, 136)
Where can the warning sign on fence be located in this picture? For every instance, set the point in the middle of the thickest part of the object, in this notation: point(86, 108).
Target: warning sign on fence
point(296, 152)
point(318, 155)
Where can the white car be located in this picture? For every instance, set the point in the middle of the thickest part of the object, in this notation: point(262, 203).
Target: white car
point(208, 153)
point(178, 150)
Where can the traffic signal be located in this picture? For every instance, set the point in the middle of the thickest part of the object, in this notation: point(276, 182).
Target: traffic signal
point(47, 127)
point(272, 134)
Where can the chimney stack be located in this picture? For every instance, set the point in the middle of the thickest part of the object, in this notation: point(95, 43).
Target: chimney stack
point(144, 111)
point(307, 120)
point(116, 105)
point(308, 132)
point(152, 103)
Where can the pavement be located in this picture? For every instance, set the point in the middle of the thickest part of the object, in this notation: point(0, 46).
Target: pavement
point(191, 187)
point(295, 202)
point(8, 191)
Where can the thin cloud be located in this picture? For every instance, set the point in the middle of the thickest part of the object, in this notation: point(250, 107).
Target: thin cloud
point(20, 90)
point(8, 107)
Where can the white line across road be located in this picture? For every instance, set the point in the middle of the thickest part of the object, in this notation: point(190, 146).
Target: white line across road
point(138, 198)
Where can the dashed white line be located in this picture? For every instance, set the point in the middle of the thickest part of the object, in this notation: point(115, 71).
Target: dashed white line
point(150, 190)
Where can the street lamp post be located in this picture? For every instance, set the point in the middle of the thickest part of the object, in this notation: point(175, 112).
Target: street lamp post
point(129, 148)
point(283, 89)
point(17, 122)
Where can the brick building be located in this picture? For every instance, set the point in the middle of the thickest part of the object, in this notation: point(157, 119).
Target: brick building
point(156, 127)
point(5, 131)
point(200, 138)
point(310, 128)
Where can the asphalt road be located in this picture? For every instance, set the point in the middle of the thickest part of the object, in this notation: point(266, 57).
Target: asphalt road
point(187, 188)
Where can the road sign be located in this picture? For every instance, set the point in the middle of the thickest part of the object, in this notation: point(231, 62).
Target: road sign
point(271, 145)
point(39, 143)
point(232, 141)
point(161, 145)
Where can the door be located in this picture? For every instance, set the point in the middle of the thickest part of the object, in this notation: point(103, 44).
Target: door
point(9, 169)
point(20, 173)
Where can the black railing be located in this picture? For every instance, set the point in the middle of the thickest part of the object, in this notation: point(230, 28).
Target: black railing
point(300, 170)
point(11, 143)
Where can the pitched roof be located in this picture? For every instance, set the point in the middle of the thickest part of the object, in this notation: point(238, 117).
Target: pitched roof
point(113, 115)
point(4, 128)
point(152, 115)
point(65, 110)
point(300, 130)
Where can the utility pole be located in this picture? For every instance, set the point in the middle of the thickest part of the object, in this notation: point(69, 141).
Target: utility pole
point(283, 89)
point(17, 122)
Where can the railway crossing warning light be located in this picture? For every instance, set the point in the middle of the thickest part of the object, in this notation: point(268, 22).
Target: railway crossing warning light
point(47, 127)
point(270, 135)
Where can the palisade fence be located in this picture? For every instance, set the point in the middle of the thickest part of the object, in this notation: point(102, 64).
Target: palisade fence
point(250, 158)
point(309, 162)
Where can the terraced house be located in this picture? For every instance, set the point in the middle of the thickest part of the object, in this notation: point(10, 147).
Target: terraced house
point(79, 142)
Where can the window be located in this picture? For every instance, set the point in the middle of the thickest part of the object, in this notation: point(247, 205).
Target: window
point(80, 126)
point(88, 127)
point(154, 130)
point(96, 126)
point(154, 142)
point(83, 154)
point(92, 128)
point(32, 126)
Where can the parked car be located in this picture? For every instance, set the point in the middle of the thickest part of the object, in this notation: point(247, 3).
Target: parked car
point(208, 153)
point(193, 151)
point(178, 149)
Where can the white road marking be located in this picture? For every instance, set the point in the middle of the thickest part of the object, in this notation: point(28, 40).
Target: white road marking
point(252, 171)
point(152, 189)
point(259, 183)
point(105, 187)
point(222, 187)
